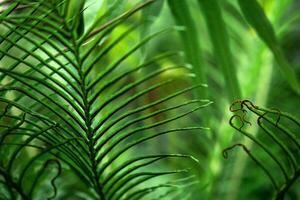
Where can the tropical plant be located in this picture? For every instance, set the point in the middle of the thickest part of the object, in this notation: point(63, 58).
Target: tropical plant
point(63, 108)
point(281, 131)
point(103, 99)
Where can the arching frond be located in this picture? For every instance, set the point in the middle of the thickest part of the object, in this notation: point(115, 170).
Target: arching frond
point(67, 106)
point(278, 140)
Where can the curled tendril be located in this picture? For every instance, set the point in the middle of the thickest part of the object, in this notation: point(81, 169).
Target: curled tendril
point(225, 151)
point(242, 120)
point(232, 109)
point(248, 103)
point(242, 117)
point(234, 116)
point(242, 103)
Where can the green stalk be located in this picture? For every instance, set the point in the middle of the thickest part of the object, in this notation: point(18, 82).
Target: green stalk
point(189, 38)
point(222, 52)
point(221, 46)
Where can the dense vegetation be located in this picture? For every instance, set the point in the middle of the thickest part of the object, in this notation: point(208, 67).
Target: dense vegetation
point(154, 99)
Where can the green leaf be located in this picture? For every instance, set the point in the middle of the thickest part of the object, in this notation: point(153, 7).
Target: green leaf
point(221, 45)
point(256, 17)
point(189, 38)
point(74, 16)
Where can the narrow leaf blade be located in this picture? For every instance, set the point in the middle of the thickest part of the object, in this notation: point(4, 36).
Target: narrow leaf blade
point(255, 16)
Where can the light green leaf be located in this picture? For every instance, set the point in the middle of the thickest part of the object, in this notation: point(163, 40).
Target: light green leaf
point(257, 18)
point(75, 15)
point(189, 37)
point(221, 45)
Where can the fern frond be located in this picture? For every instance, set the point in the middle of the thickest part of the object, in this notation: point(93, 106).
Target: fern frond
point(281, 144)
point(63, 105)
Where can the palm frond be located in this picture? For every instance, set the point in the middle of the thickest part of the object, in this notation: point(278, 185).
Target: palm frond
point(277, 140)
point(63, 105)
